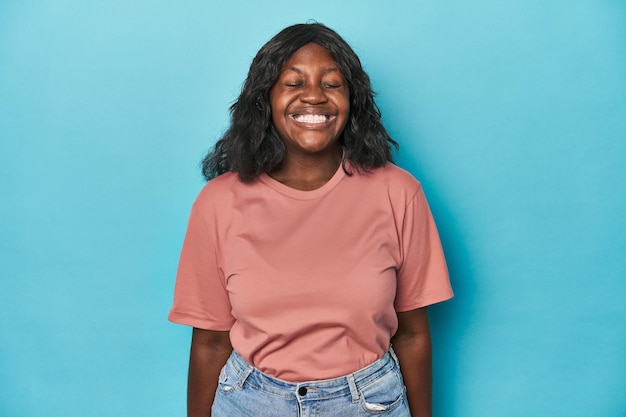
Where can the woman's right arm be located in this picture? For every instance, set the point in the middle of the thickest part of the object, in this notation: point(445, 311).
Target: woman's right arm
point(209, 351)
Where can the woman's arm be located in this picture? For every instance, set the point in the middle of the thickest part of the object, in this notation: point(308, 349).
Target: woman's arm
point(209, 352)
point(413, 348)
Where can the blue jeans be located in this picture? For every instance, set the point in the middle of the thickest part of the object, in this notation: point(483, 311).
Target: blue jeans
point(376, 390)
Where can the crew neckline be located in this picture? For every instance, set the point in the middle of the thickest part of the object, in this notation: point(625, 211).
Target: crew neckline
point(301, 194)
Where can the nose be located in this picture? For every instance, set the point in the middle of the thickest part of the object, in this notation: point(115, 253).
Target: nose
point(313, 94)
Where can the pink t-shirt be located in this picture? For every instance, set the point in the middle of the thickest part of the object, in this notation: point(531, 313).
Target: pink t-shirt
point(309, 282)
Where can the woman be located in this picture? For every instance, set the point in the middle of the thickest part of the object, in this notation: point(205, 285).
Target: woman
point(308, 253)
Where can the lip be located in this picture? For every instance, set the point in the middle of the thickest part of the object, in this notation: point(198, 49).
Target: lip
point(312, 117)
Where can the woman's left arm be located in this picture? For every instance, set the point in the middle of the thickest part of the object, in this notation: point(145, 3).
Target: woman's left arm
point(413, 347)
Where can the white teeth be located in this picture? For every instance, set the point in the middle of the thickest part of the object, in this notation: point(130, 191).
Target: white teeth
point(310, 118)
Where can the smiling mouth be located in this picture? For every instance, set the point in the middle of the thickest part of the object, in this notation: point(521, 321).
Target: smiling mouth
point(311, 118)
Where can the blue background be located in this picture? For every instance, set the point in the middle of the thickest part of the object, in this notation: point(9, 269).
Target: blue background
point(511, 113)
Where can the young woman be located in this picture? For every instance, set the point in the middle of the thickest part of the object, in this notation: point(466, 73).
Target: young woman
point(308, 253)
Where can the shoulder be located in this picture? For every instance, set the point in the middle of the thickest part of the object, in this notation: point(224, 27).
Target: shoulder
point(394, 179)
point(217, 191)
point(219, 184)
point(388, 184)
point(398, 176)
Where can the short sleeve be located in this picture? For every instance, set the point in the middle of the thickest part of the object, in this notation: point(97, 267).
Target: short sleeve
point(200, 295)
point(422, 278)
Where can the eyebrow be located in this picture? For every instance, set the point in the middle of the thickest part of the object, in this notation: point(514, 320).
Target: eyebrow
point(326, 71)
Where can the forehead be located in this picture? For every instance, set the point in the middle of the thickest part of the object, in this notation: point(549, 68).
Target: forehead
point(311, 54)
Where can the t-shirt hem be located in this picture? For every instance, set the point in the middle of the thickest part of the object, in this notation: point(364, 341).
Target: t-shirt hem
point(187, 320)
point(427, 301)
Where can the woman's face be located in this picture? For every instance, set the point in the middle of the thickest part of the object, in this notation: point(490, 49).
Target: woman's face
point(310, 102)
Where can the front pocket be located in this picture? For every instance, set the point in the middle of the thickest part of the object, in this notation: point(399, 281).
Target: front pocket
point(382, 395)
point(228, 379)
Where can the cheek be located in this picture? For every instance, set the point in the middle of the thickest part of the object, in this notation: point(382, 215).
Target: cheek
point(345, 103)
point(274, 113)
point(278, 104)
point(346, 109)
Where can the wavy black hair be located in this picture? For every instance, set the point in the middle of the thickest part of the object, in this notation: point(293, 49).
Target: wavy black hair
point(251, 144)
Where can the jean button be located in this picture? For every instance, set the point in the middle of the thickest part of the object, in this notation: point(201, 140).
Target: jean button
point(302, 390)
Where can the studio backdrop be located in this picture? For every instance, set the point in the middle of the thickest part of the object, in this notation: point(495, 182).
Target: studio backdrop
point(511, 113)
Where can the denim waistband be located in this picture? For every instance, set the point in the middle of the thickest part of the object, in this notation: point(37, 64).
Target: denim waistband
point(318, 389)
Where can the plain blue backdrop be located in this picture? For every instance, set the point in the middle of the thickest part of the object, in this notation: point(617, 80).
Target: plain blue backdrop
point(511, 113)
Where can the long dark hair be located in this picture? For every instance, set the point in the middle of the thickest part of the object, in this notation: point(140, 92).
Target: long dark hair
point(251, 144)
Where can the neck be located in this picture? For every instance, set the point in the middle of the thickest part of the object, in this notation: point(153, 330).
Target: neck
point(307, 173)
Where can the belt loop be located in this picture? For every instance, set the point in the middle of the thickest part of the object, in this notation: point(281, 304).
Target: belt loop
point(393, 356)
point(353, 391)
point(244, 375)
